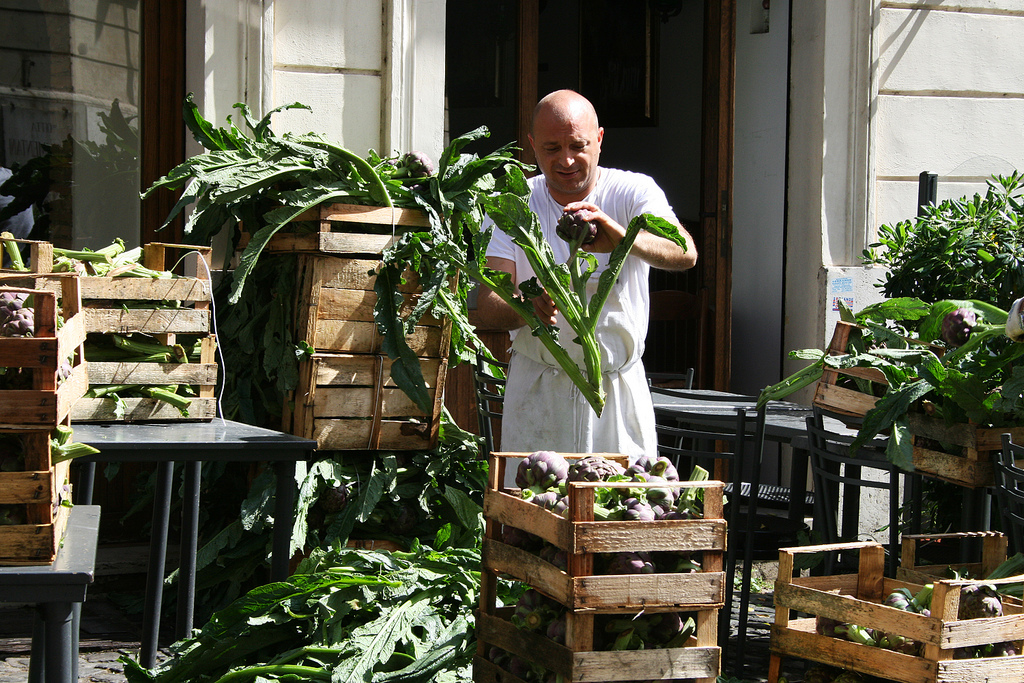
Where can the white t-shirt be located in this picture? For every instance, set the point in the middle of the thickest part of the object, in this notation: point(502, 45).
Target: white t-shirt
point(543, 409)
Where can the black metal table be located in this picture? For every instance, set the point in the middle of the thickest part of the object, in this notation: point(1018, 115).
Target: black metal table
point(191, 443)
point(58, 591)
point(785, 422)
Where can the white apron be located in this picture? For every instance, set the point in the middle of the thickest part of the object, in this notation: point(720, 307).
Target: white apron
point(544, 410)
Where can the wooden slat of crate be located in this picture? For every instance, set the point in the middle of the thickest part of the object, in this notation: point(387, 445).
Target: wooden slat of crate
point(142, 409)
point(699, 662)
point(49, 400)
point(152, 373)
point(973, 466)
point(40, 257)
point(994, 545)
point(653, 592)
point(839, 399)
point(350, 402)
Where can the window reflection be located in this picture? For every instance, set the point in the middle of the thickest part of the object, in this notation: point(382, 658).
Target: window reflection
point(69, 120)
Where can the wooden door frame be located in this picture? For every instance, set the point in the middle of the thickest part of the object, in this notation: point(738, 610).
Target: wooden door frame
point(162, 130)
point(717, 128)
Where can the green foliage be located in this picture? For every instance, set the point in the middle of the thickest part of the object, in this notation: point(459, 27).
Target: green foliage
point(967, 248)
point(975, 382)
point(345, 615)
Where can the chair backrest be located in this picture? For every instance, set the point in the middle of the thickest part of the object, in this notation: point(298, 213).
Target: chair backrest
point(839, 475)
point(1010, 492)
point(489, 388)
point(671, 380)
point(674, 309)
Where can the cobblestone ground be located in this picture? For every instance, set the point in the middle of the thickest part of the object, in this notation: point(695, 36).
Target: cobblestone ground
point(107, 636)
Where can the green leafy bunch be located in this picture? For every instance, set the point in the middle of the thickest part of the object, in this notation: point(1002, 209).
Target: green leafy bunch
point(433, 496)
point(979, 381)
point(965, 248)
point(345, 616)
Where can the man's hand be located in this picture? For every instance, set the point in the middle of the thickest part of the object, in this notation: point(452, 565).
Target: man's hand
point(545, 308)
point(657, 251)
point(609, 232)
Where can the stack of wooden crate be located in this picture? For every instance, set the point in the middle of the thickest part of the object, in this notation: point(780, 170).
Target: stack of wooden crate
point(34, 492)
point(346, 399)
point(585, 594)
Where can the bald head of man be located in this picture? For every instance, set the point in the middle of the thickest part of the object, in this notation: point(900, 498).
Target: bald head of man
point(566, 140)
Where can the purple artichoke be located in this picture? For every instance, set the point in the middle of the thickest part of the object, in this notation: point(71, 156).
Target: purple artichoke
point(550, 500)
point(534, 611)
point(556, 630)
point(957, 326)
point(572, 228)
point(635, 510)
point(334, 498)
point(541, 470)
point(554, 555)
point(414, 165)
point(594, 468)
point(979, 601)
point(630, 563)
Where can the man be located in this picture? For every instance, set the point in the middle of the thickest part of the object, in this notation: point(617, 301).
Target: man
point(543, 410)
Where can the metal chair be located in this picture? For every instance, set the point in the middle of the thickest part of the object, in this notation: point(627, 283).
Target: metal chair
point(489, 388)
point(1010, 492)
point(838, 478)
point(732, 453)
point(671, 380)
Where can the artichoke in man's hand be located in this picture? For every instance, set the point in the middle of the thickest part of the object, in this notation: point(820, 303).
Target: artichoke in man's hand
point(575, 230)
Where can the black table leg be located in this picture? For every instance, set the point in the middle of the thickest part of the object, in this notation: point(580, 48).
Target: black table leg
point(189, 548)
point(59, 655)
point(37, 658)
point(157, 559)
point(86, 477)
point(284, 512)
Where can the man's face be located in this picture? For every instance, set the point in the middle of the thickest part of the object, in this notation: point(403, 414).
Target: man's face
point(567, 151)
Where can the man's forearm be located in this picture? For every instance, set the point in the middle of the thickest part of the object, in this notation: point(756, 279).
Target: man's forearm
point(493, 313)
point(665, 254)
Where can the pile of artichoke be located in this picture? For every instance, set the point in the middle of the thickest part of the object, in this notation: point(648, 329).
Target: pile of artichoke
point(543, 478)
point(977, 601)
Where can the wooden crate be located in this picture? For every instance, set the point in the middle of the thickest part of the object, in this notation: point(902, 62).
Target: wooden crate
point(349, 402)
point(39, 488)
point(580, 588)
point(833, 391)
point(700, 659)
point(978, 448)
point(49, 400)
point(993, 545)
point(856, 599)
point(202, 376)
point(105, 297)
point(585, 594)
point(346, 399)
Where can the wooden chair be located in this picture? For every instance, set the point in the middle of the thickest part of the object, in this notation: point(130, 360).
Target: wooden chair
point(672, 312)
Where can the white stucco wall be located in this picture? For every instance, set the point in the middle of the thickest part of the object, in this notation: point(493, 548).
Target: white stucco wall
point(879, 92)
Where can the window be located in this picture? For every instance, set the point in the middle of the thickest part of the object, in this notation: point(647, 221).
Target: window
point(83, 85)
